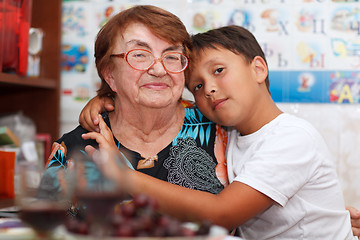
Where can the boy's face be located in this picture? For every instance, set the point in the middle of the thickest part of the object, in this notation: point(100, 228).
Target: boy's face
point(226, 87)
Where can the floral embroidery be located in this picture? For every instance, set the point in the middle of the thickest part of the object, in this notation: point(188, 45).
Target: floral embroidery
point(58, 154)
point(192, 167)
point(195, 127)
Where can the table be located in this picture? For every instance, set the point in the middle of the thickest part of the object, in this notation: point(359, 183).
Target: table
point(7, 208)
point(7, 202)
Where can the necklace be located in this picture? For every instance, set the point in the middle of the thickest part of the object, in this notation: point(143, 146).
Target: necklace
point(148, 162)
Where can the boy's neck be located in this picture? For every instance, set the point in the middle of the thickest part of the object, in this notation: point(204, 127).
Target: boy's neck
point(264, 114)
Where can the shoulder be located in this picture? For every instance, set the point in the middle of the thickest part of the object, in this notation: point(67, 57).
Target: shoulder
point(286, 134)
point(293, 137)
point(193, 115)
point(73, 139)
point(74, 135)
point(294, 127)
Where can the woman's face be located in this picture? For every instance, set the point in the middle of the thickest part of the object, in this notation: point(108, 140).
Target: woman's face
point(152, 88)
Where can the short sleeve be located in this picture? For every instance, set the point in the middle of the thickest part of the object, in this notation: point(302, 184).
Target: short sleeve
point(280, 163)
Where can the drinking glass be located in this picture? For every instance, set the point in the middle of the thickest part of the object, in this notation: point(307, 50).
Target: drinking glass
point(42, 214)
point(96, 194)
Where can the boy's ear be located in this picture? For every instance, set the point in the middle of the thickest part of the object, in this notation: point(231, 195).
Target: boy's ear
point(107, 74)
point(261, 70)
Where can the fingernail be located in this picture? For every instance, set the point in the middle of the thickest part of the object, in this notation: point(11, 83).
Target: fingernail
point(70, 164)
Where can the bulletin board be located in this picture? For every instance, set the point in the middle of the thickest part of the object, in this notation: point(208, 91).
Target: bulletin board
point(312, 46)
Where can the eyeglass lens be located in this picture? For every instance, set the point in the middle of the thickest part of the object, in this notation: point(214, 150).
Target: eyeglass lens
point(142, 60)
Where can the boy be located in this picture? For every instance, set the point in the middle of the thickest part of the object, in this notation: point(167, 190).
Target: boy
point(283, 184)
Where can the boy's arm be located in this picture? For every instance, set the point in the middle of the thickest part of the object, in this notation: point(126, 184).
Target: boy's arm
point(355, 220)
point(233, 206)
point(88, 118)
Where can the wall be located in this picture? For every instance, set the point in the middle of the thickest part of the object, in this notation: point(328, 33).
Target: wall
point(282, 28)
point(340, 126)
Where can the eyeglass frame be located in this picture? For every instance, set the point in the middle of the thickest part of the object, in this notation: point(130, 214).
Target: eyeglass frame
point(160, 59)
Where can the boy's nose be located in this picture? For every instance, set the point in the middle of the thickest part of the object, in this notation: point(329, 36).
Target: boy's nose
point(210, 91)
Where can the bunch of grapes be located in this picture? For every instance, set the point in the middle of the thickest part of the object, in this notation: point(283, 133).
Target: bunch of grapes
point(140, 218)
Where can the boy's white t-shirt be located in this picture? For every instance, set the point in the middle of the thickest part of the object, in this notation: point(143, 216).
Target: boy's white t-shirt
point(288, 161)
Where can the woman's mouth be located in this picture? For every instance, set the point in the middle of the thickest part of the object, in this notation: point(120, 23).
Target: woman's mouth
point(156, 86)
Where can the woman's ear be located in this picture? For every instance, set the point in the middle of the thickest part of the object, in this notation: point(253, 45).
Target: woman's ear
point(108, 76)
point(261, 69)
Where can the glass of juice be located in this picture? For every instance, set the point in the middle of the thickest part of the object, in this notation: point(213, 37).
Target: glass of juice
point(42, 214)
point(96, 194)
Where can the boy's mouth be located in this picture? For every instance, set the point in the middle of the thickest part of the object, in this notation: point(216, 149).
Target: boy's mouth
point(218, 103)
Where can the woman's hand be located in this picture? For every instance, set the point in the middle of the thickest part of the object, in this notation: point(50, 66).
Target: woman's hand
point(107, 157)
point(88, 118)
point(355, 220)
point(104, 137)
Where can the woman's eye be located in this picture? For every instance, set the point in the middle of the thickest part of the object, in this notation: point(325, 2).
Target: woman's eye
point(139, 55)
point(172, 57)
point(197, 87)
point(219, 70)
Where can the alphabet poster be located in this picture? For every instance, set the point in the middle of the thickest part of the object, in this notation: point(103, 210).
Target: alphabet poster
point(312, 46)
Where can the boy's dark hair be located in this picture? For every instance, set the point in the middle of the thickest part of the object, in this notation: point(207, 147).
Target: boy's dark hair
point(233, 38)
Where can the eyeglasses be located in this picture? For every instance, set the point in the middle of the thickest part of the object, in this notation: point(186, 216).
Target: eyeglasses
point(142, 60)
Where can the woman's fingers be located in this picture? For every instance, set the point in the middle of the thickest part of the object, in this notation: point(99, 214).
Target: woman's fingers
point(90, 150)
point(106, 162)
point(100, 139)
point(355, 220)
point(356, 231)
point(105, 138)
point(105, 130)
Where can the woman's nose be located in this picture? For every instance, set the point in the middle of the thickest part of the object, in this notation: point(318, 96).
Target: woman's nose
point(157, 68)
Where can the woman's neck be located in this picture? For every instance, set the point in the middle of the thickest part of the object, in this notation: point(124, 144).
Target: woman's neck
point(146, 130)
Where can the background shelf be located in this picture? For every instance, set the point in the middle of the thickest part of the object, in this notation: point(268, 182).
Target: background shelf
point(39, 98)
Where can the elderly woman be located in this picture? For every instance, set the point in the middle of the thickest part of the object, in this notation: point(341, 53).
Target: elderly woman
point(141, 55)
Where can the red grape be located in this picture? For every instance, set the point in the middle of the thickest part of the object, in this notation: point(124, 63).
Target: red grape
point(140, 218)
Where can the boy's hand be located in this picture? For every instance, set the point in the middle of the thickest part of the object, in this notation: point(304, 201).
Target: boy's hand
point(355, 220)
point(88, 118)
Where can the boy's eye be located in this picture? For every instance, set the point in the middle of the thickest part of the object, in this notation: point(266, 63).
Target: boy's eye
point(219, 70)
point(197, 87)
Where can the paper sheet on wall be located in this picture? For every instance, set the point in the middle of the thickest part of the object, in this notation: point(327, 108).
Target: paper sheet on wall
point(312, 46)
